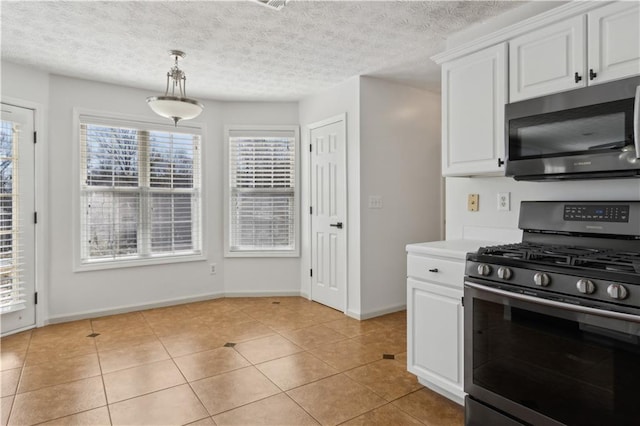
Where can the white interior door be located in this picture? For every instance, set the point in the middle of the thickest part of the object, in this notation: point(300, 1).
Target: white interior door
point(329, 213)
point(17, 224)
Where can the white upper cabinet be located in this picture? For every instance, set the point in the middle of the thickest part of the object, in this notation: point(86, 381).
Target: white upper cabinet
point(614, 42)
point(551, 59)
point(474, 92)
point(592, 48)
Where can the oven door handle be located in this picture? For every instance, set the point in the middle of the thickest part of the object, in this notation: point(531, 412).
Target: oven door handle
point(554, 304)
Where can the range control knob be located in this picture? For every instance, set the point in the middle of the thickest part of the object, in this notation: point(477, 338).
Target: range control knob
point(617, 291)
point(504, 273)
point(484, 269)
point(585, 286)
point(541, 279)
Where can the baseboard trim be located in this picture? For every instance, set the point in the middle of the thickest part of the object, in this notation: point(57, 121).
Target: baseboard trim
point(132, 308)
point(380, 312)
point(209, 296)
point(262, 294)
point(353, 314)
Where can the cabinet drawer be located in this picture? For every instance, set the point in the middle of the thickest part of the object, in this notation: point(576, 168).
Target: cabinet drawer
point(448, 272)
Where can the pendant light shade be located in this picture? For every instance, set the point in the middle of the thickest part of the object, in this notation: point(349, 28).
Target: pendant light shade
point(175, 104)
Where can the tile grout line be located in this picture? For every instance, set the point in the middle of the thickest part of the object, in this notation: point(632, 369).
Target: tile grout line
point(315, 321)
point(24, 364)
point(73, 381)
point(251, 364)
point(400, 408)
point(104, 386)
point(285, 392)
point(180, 371)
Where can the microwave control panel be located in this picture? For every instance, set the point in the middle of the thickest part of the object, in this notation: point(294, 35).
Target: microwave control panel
point(596, 213)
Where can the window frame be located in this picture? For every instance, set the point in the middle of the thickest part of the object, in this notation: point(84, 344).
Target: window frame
point(228, 130)
point(81, 116)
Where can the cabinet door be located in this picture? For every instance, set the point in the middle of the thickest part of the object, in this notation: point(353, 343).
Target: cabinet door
point(614, 42)
point(547, 60)
point(474, 92)
point(435, 335)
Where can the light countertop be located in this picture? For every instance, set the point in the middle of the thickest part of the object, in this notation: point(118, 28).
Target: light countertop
point(456, 249)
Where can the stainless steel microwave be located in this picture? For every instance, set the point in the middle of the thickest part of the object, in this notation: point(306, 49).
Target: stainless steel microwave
point(588, 133)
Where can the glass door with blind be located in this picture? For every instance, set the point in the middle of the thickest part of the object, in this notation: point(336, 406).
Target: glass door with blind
point(17, 227)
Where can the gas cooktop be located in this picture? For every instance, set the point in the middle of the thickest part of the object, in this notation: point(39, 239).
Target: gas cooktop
point(585, 250)
point(575, 256)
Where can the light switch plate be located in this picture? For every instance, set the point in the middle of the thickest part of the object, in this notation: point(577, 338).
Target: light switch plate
point(375, 201)
point(473, 201)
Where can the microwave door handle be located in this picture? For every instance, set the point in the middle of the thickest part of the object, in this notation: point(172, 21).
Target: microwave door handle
point(636, 122)
point(552, 303)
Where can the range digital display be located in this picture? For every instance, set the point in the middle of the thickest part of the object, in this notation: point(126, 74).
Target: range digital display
point(596, 213)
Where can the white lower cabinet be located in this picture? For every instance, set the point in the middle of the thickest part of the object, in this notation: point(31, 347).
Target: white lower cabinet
point(435, 281)
point(434, 337)
point(435, 334)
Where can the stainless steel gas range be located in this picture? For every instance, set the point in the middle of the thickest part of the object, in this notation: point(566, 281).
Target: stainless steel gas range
point(552, 324)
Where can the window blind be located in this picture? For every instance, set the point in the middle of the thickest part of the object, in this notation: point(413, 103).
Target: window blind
point(140, 191)
point(262, 179)
point(12, 289)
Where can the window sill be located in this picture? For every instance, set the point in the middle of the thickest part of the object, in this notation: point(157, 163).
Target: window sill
point(98, 265)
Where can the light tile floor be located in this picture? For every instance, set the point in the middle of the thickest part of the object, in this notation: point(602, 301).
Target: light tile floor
point(234, 361)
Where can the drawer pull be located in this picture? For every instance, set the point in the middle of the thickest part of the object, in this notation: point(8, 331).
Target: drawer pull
point(433, 270)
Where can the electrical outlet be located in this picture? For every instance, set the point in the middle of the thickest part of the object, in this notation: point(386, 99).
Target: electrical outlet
point(504, 201)
point(375, 201)
point(212, 269)
point(473, 202)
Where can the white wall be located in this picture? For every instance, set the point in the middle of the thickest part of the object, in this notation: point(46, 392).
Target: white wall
point(77, 293)
point(24, 83)
point(393, 150)
point(461, 223)
point(341, 99)
point(260, 276)
point(70, 294)
point(400, 161)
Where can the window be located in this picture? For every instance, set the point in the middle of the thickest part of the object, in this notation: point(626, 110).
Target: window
point(261, 217)
point(139, 191)
point(12, 295)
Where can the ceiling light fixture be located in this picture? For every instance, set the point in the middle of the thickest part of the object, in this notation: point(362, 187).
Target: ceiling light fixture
point(275, 4)
point(175, 106)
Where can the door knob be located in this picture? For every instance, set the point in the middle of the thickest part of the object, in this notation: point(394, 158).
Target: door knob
point(337, 225)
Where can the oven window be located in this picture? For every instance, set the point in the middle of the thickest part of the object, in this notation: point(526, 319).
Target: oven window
point(584, 130)
point(574, 371)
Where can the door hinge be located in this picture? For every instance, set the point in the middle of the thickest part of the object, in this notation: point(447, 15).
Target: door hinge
point(500, 162)
point(310, 148)
point(35, 298)
point(310, 209)
point(35, 137)
point(35, 217)
point(462, 301)
point(310, 272)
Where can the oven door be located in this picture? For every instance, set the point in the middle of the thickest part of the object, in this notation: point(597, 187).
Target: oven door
point(545, 362)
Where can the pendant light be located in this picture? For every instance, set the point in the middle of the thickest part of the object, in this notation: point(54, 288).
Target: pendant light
point(175, 105)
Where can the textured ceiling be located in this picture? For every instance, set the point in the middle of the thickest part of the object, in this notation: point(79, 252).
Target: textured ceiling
point(238, 50)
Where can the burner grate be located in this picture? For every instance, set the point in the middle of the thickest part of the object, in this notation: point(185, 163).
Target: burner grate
point(628, 262)
point(572, 256)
